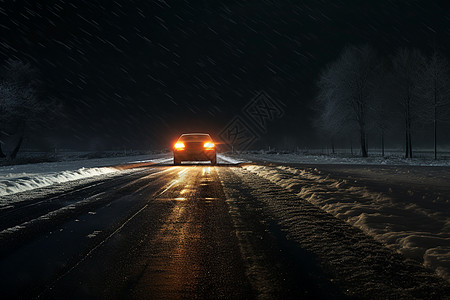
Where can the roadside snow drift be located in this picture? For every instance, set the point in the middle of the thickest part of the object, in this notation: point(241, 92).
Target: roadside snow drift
point(406, 226)
point(229, 159)
point(20, 178)
point(15, 183)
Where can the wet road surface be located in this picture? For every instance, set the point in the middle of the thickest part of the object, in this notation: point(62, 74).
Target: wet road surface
point(195, 232)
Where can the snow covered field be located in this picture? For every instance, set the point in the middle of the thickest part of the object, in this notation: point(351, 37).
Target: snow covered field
point(393, 159)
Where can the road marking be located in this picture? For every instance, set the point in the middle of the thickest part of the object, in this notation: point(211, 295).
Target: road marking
point(49, 215)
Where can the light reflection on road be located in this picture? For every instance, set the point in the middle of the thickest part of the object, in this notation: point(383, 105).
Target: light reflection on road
point(174, 271)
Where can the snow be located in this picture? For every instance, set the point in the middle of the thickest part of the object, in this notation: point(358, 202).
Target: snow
point(21, 178)
point(408, 225)
point(11, 183)
point(230, 159)
point(394, 158)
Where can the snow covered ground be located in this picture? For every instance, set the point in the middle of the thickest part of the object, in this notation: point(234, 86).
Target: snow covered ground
point(392, 159)
point(21, 178)
point(416, 225)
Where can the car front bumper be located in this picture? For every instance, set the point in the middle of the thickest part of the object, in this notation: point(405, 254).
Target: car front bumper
point(190, 155)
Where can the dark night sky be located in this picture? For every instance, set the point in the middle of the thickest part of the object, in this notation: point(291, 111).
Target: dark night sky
point(137, 73)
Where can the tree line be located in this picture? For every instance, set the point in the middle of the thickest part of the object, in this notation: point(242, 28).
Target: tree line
point(363, 92)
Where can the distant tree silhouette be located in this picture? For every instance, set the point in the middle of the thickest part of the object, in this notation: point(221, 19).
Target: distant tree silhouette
point(435, 92)
point(407, 70)
point(346, 90)
point(381, 112)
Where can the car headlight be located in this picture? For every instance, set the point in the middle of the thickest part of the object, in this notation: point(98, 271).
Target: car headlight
point(208, 145)
point(179, 146)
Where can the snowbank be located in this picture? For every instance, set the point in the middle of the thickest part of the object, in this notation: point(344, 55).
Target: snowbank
point(24, 182)
point(229, 159)
point(405, 225)
point(21, 178)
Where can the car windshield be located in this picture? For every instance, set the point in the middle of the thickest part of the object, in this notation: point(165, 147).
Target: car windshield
point(195, 138)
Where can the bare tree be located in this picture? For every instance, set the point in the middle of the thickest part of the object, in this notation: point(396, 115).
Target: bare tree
point(435, 92)
point(380, 117)
point(346, 89)
point(333, 117)
point(380, 106)
point(407, 66)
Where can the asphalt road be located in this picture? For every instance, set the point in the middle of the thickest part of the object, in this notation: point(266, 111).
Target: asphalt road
point(190, 231)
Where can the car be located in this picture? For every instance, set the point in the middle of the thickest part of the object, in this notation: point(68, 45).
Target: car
point(194, 147)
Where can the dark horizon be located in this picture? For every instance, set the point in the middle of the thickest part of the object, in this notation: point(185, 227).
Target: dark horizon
point(135, 74)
